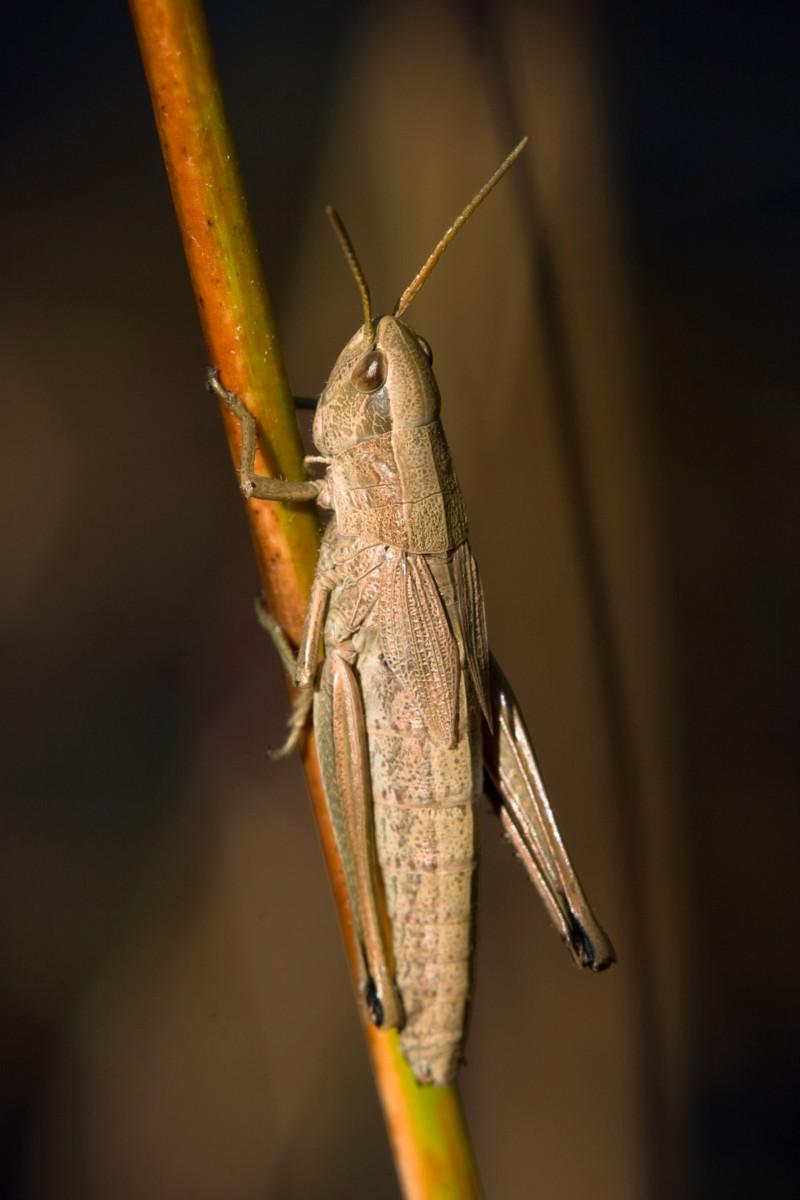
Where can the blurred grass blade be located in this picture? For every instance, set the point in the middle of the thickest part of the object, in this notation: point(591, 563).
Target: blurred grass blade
point(426, 1125)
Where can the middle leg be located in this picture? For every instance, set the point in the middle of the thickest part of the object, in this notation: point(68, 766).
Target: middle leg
point(301, 667)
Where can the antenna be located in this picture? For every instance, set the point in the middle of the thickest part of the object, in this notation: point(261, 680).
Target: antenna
point(418, 280)
point(355, 266)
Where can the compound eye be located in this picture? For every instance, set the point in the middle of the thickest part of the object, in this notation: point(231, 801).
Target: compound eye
point(370, 372)
point(426, 350)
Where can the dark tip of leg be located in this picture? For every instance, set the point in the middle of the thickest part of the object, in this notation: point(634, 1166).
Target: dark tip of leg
point(373, 1002)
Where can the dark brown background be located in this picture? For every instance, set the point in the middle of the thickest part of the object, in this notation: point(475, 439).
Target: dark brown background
point(615, 338)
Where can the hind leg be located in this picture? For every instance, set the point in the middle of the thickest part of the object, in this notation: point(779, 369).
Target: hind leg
point(342, 743)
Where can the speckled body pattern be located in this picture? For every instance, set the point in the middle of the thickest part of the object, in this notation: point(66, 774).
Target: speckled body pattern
point(423, 797)
point(407, 713)
point(412, 717)
point(404, 604)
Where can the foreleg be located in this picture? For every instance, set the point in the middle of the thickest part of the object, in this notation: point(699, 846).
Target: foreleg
point(260, 487)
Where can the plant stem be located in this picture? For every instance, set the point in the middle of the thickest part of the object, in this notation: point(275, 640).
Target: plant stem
point(426, 1126)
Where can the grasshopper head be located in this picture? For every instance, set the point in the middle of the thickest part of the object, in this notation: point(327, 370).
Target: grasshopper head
point(382, 380)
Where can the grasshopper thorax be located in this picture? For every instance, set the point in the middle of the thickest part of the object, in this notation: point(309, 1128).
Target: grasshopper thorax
point(381, 382)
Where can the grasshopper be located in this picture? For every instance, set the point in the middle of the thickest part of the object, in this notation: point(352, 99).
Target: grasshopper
point(414, 719)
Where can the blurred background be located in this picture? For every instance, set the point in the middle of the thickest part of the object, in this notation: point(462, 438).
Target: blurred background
point(615, 336)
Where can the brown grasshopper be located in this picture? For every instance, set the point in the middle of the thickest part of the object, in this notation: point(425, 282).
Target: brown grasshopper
point(413, 717)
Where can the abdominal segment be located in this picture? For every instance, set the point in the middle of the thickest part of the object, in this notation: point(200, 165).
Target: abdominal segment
point(424, 803)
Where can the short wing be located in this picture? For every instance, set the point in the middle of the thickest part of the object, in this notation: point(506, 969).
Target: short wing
point(418, 643)
point(528, 819)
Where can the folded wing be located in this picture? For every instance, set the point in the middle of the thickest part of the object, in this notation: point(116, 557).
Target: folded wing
point(418, 643)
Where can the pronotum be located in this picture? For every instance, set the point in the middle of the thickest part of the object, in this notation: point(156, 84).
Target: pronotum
point(413, 717)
